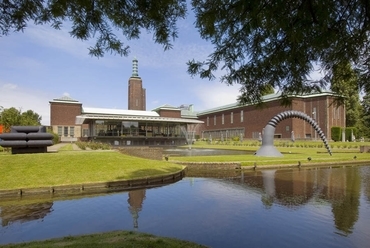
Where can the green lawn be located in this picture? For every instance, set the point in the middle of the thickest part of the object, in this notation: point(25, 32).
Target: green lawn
point(292, 153)
point(75, 167)
point(122, 239)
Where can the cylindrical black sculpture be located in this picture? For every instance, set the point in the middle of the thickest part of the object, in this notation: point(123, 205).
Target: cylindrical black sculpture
point(27, 139)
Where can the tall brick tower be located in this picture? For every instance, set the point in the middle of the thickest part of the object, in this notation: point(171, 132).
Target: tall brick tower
point(136, 92)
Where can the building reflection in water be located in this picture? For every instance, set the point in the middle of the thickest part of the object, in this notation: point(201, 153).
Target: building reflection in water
point(294, 188)
point(24, 213)
point(135, 201)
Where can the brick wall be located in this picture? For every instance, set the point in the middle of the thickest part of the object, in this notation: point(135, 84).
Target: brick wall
point(255, 118)
point(64, 113)
point(170, 113)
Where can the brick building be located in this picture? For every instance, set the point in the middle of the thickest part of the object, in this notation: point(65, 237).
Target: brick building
point(165, 124)
point(63, 112)
point(248, 121)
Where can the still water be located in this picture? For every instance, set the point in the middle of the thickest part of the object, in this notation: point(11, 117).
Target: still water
point(273, 208)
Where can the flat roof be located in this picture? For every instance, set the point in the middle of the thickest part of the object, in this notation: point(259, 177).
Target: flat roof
point(126, 112)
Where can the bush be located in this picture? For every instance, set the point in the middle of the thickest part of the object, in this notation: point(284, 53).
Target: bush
point(56, 138)
point(336, 133)
point(349, 131)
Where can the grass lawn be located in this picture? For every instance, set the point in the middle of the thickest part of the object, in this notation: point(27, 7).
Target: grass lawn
point(75, 167)
point(122, 239)
point(292, 153)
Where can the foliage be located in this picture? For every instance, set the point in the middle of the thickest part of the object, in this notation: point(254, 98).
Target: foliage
point(344, 82)
point(336, 133)
point(257, 44)
point(14, 117)
point(280, 43)
point(365, 114)
point(98, 20)
point(56, 138)
point(93, 145)
point(349, 131)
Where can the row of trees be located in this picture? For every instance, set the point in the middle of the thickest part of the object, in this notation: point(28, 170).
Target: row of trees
point(15, 117)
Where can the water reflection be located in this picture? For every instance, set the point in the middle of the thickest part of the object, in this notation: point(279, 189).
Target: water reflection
point(135, 200)
point(24, 213)
point(216, 208)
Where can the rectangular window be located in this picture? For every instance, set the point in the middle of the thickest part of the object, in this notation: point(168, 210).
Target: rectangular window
point(241, 116)
point(314, 113)
point(207, 121)
point(338, 114)
point(60, 130)
point(85, 132)
point(72, 131)
point(214, 120)
point(223, 119)
point(232, 118)
point(65, 131)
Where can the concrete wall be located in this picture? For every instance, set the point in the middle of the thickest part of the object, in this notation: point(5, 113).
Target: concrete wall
point(155, 153)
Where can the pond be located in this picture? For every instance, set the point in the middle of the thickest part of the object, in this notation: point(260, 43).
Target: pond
point(327, 207)
point(173, 152)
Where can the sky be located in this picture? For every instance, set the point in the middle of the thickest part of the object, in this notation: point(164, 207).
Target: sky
point(42, 64)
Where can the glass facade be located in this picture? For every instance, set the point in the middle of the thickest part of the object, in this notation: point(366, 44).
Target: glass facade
point(135, 128)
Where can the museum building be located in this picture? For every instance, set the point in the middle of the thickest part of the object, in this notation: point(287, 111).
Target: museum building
point(166, 124)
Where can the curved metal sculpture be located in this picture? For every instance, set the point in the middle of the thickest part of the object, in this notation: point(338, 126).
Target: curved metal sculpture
point(268, 149)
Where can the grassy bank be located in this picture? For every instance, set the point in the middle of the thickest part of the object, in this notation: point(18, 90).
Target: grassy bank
point(122, 239)
point(74, 167)
point(292, 153)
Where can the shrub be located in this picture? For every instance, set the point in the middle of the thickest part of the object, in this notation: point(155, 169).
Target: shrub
point(349, 131)
point(336, 133)
point(56, 138)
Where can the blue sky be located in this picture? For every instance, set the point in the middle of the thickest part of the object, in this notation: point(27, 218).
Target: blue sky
point(41, 64)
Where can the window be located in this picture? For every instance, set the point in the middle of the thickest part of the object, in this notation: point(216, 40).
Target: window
point(241, 116)
point(223, 119)
point(137, 102)
point(65, 131)
point(287, 128)
point(232, 117)
point(214, 120)
point(207, 121)
point(85, 132)
point(72, 131)
point(60, 129)
point(314, 113)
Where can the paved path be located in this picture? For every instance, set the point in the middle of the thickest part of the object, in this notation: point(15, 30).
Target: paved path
point(56, 147)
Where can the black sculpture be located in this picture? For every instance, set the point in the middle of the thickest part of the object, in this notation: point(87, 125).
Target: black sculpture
point(27, 139)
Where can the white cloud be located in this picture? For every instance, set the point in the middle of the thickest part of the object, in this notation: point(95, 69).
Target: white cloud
point(24, 99)
point(215, 94)
point(59, 39)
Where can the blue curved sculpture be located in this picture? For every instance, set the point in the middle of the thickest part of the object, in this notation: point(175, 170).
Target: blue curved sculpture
point(268, 149)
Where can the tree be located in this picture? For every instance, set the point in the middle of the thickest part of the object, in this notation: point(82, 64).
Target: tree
point(97, 19)
point(344, 82)
point(14, 117)
point(280, 43)
point(10, 117)
point(30, 118)
point(256, 43)
point(365, 115)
